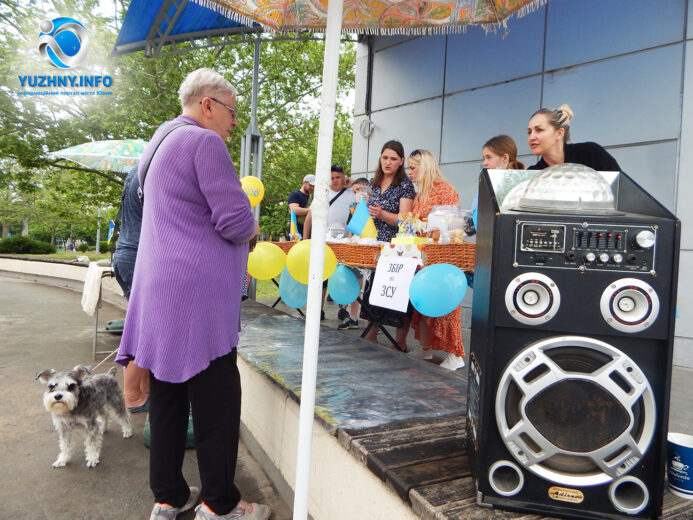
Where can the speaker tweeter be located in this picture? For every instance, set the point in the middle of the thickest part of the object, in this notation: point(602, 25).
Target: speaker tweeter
point(532, 298)
point(629, 305)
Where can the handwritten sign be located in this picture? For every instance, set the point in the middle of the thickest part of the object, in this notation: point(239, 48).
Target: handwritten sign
point(393, 275)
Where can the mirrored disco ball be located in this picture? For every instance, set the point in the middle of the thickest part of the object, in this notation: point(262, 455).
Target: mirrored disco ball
point(568, 187)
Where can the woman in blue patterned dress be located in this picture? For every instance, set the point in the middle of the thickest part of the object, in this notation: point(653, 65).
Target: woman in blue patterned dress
point(393, 194)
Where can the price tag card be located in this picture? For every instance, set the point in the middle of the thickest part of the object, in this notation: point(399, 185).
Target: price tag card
point(393, 276)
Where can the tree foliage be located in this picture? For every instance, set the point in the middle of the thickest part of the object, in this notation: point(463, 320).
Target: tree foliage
point(52, 192)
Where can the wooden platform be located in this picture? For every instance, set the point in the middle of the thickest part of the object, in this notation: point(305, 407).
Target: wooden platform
point(426, 463)
point(401, 418)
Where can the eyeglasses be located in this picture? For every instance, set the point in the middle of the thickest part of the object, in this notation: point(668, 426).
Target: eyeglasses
point(231, 109)
point(415, 152)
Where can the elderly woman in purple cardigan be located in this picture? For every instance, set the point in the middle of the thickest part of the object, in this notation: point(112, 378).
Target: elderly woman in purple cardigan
point(183, 316)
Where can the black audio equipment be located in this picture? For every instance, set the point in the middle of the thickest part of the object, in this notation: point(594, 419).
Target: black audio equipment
point(571, 352)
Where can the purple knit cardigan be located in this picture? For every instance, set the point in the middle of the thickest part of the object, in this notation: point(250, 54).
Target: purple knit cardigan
point(184, 308)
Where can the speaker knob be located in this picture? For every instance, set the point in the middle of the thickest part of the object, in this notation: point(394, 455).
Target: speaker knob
point(604, 258)
point(617, 258)
point(590, 257)
point(645, 239)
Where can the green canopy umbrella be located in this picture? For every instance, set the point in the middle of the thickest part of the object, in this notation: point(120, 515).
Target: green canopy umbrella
point(115, 155)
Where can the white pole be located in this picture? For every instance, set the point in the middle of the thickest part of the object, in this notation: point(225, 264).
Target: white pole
point(319, 209)
point(98, 231)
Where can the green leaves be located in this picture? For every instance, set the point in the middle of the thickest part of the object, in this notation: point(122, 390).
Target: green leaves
point(144, 96)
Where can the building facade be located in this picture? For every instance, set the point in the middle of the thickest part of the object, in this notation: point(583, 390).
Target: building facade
point(625, 67)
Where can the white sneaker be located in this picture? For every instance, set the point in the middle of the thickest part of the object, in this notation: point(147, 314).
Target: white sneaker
point(418, 352)
point(452, 362)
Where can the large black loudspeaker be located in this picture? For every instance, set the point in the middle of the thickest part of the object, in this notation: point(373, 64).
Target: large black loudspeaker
point(572, 343)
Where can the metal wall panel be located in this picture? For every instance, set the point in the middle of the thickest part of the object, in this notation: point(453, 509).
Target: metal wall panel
point(361, 71)
point(415, 126)
point(383, 42)
point(476, 58)
point(628, 99)
point(528, 159)
point(653, 167)
point(683, 351)
point(408, 72)
point(359, 149)
point(684, 304)
point(685, 184)
point(578, 32)
point(464, 177)
point(470, 118)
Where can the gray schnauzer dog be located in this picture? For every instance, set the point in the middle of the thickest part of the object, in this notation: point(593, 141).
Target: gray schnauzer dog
point(77, 399)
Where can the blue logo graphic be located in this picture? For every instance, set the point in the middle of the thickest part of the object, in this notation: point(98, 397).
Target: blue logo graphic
point(63, 42)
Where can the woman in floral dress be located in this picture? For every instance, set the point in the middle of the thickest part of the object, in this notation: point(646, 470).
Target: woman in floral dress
point(393, 193)
point(444, 333)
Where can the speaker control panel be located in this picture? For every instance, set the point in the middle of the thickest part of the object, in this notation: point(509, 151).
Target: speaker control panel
point(586, 246)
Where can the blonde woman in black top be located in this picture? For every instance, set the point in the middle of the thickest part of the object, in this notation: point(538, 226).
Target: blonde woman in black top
point(548, 134)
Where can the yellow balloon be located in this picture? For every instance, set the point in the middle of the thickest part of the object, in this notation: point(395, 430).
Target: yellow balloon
point(298, 260)
point(252, 186)
point(266, 261)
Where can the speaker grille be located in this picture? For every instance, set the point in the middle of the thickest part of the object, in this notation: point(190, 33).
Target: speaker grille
point(579, 416)
point(574, 410)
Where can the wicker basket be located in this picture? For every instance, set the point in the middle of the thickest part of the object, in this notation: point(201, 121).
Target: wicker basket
point(285, 246)
point(461, 255)
point(356, 255)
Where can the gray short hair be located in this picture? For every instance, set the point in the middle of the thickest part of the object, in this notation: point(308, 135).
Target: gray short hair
point(203, 82)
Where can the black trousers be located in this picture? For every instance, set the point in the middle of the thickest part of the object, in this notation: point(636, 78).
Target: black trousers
point(215, 397)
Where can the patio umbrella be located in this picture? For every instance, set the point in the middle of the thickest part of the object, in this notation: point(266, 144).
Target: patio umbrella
point(371, 17)
point(115, 155)
point(333, 18)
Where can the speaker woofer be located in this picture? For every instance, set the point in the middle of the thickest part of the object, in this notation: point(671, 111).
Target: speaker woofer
point(532, 298)
point(629, 305)
point(575, 411)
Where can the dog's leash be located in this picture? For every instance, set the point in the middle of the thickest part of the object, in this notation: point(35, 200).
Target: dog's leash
point(103, 361)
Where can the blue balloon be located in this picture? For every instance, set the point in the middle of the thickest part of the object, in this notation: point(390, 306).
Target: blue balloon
point(294, 294)
point(476, 210)
point(438, 289)
point(343, 285)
